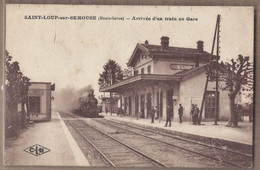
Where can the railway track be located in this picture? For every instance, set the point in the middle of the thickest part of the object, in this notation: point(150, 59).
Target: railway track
point(115, 152)
point(235, 159)
point(67, 115)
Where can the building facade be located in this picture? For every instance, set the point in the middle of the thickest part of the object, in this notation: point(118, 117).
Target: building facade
point(39, 104)
point(165, 77)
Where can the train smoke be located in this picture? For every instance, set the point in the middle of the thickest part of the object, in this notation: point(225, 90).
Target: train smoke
point(67, 99)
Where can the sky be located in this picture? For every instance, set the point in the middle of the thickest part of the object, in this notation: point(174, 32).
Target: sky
point(71, 53)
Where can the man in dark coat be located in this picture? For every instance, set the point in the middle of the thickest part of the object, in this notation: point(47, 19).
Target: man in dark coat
point(192, 113)
point(180, 112)
point(152, 111)
point(169, 116)
point(196, 114)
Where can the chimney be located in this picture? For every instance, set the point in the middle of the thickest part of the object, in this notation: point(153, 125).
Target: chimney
point(146, 42)
point(164, 42)
point(200, 46)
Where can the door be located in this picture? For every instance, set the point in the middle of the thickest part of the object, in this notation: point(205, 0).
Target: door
point(169, 106)
point(34, 104)
point(210, 105)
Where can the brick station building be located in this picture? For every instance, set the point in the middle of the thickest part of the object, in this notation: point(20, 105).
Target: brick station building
point(166, 75)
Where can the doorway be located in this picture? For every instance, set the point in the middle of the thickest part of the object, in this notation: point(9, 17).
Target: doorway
point(34, 104)
point(210, 105)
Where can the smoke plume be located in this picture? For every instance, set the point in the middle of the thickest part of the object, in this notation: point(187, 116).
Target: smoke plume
point(67, 99)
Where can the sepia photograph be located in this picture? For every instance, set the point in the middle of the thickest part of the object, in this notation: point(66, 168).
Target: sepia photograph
point(129, 86)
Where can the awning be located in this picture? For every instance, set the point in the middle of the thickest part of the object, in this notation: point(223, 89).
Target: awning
point(142, 79)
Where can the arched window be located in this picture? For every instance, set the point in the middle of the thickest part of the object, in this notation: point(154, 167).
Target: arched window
point(142, 71)
point(135, 72)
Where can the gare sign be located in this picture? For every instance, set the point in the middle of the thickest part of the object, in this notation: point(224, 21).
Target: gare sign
point(181, 66)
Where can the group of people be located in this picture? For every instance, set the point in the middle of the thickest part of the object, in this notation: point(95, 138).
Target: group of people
point(194, 113)
point(169, 114)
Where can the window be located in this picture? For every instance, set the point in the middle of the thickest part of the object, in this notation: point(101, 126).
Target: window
point(149, 69)
point(142, 71)
point(34, 104)
point(135, 72)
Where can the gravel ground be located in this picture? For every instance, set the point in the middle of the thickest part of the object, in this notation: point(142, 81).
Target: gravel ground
point(93, 156)
point(218, 154)
point(210, 141)
point(173, 157)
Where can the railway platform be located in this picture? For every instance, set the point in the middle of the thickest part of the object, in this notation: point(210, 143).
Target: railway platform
point(60, 149)
point(242, 135)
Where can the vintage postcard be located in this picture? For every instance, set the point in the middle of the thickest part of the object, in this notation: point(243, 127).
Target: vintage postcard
point(129, 86)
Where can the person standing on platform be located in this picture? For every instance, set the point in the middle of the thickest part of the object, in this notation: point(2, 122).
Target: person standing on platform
point(196, 114)
point(180, 112)
point(157, 112)
point(152, 111)
point(192, 118)
point(169, 116)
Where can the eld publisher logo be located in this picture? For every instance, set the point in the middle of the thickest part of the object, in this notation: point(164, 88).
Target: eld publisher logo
point(37, 150)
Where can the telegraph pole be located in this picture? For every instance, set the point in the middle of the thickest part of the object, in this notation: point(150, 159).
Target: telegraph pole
point(216, 34)
point(217, 68)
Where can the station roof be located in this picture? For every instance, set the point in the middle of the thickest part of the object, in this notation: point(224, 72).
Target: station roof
point(174, 52)
point(149, 79)
point(139, 79)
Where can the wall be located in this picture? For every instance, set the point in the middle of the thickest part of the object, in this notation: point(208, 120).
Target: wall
point(163, 66)
point(48, 99)
point(143, 62)
point(191, 92)
point(42, 90)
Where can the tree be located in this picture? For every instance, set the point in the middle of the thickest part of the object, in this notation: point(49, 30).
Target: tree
point(127, 73)
point(237, 77)
point(112, 74)
point(17, 86)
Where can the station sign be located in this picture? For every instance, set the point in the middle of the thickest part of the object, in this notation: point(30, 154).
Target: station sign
point(36, 91)
point(181, 66)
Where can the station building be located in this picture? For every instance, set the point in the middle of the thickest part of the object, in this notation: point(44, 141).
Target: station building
point(168, 76)
point(40, 97)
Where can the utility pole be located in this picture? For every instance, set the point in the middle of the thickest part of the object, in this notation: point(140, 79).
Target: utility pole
point(216, 34)
point(217, 68)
